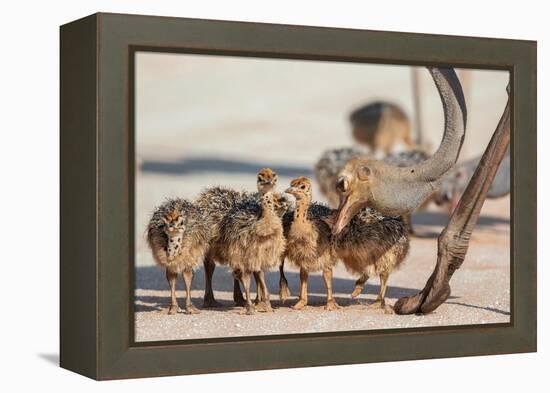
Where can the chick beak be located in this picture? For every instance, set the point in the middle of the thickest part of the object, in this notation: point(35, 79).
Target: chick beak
point(291, 191)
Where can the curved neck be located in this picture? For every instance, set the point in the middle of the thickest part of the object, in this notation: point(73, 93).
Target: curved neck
point(454, 110)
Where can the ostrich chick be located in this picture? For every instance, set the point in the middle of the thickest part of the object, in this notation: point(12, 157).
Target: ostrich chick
point(217, 202)
point(266, 182)
point(372, 245)
point(177, 241)
point(382, 126)
point(309, 241)
point(253, 241)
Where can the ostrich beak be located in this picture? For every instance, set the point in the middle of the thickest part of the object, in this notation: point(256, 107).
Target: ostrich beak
point(349, 207)
point(291, 191)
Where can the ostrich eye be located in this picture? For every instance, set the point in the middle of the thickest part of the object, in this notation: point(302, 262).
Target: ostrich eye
point(303, 186)
point(364, 173)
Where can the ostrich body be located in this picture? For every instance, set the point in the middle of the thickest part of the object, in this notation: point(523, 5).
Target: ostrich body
point(217, 202)
point(309, 240)
point(253, 241)
point(220, 202)
point(383, 127)
point(372, 245)
point(456, 180)
point(177, 239)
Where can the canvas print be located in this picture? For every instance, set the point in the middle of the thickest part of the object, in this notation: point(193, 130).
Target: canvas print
point(277, 196)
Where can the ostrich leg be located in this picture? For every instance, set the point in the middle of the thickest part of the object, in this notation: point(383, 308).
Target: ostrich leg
point(454, 240)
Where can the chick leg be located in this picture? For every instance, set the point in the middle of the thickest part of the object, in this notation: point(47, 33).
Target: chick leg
point(331, 302)
point(264, 305)
point(359, 284)
point(284, 291)
point(244, 277)
point(189, 307)
point(238, 294)
point(260, 296)
point(380, 300)
point(302, 302)
point(209, 300)
point(172, 278)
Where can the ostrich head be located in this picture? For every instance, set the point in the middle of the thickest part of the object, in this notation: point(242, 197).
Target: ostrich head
point(396, 190)
point(267, 180)
point(300, 188)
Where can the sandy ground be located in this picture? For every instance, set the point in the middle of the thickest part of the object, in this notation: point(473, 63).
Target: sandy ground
point(480, 292)
point(203, 121)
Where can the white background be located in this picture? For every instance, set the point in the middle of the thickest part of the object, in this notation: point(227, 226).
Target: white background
point(30, 182)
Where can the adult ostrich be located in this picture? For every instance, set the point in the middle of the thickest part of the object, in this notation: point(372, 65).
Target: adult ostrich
point(396, 191)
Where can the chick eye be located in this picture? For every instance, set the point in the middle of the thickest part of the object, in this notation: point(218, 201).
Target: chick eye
point(303, 186)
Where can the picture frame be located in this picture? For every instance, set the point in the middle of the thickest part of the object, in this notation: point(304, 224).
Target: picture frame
point(97, 169)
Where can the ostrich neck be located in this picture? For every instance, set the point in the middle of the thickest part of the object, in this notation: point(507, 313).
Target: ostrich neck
point(454, 110)
point(268, 212)
point(403, 189)
point(174, 235)
point(300, 213)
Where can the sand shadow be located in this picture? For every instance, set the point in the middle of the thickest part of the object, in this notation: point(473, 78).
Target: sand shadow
point(441, 219)
point(199, 165)
point(491, 309)
point(153, 278)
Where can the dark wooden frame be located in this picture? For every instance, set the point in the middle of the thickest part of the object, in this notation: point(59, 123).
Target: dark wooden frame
point(97, 196)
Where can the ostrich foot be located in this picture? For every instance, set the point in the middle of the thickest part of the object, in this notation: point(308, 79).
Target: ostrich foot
point(436, 296)
point(190, 309)
point(173, 309)
point(264, 307)
point(284, 291)
point(409, 304)
point(388, 310)
point(422, 303)
point(377, 305)
point(356, 292)
point(248, 310)
point(211, 303)
point(300, 304)
point(332, 305)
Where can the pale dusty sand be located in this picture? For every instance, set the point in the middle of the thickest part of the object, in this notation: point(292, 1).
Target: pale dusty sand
point(212, 121)
point(480, 292)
